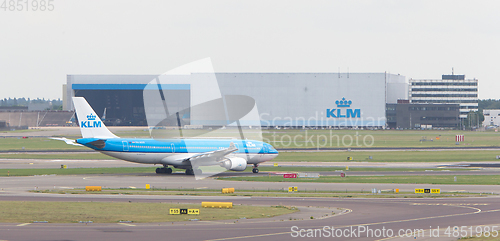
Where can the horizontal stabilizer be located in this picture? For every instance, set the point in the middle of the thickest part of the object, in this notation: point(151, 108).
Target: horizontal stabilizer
point(68, 141)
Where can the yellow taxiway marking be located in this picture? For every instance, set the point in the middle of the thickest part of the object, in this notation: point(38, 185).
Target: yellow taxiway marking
point(127, 224)
point(23, 224)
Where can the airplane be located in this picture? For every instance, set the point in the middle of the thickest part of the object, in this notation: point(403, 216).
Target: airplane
point(234, 155)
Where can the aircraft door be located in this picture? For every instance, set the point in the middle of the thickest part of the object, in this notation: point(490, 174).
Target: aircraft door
point(172, 147)
point(125, 145)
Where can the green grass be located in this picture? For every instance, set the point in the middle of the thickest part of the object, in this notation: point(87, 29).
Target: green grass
point(389, 156)
point(76, 171)
point(381, 138)
point(111, 212)
point(320, 138)
point(482, 238)
point(438, 179)
point(352, 169)
point(260, 193)
point(134, 170)
point(17, 144)
point(21, 131)
point(333, 156)
point(58, 156)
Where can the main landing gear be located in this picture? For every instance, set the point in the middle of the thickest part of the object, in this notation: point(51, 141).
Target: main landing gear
point(255, 169)
point(163, 170)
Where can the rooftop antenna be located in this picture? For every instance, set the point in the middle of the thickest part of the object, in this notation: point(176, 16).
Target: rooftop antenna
point(452, 71)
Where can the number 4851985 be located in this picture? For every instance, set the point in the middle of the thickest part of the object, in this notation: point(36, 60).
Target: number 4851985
point(27, 5)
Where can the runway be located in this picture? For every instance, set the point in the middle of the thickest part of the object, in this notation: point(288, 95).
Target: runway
point(420, 216)
point(180, 181)
point(394, 214)
point(376, 214)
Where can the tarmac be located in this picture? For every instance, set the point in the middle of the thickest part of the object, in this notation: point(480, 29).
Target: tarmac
point(332, 218)
point(376, 213)
point(415, 219)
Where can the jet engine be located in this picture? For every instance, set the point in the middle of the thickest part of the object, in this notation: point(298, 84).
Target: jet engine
point(234, 164)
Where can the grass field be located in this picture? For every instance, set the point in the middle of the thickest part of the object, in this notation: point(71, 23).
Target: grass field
point(57, 156)
point(111, 212)
point(482, 238)
point(380, 138)
point(390, 156)
point(324, 156)
point(135, 170)
point(438, 179)
point(353, 169)
point(259, 193)
point(17, 144)
point(21, 131)
point(75, 171)
point(307, 139)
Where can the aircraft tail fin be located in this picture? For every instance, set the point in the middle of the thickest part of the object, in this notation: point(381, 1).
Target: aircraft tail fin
point(90, 124)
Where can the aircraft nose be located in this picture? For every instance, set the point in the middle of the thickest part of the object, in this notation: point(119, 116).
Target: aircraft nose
point(272, 150)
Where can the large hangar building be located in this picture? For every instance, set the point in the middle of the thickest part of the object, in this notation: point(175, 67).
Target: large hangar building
point(282, 99)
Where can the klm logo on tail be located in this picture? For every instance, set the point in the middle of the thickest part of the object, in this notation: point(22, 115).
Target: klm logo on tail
point(90, 122)
point(338, 113)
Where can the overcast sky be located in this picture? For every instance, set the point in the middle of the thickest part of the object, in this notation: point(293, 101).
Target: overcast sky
point(417, 39)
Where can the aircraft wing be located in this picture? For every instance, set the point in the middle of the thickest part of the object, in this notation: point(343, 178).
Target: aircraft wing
point(68, 141)
point(206, 158)
point(213, 157)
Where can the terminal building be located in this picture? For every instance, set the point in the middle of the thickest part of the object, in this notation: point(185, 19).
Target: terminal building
point(405, 115)
point(491, 117)
point(297, 100)
point(450, 89)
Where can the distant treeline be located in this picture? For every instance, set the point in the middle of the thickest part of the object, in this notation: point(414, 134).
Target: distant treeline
point(488, 104)
point(483, 104)
point(56, 104)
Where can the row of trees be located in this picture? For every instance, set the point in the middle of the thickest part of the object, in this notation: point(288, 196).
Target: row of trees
point(474, 119)
point(488, 104)
point(56, 103)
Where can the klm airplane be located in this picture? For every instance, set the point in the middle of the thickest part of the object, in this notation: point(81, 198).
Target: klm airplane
point(234, 155)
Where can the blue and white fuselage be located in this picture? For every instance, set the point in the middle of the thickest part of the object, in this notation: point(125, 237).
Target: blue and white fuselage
point(174, 152)
point(189, 154)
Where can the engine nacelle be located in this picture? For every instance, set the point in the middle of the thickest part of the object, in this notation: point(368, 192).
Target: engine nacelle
point(234, 164)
